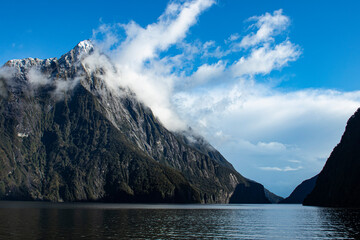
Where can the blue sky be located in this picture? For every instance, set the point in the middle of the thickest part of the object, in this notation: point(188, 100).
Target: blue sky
point(328, 31)
point(277, 125)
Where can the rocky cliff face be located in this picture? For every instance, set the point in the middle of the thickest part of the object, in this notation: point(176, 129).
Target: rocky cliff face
point(65, 135)
point(301, 191)
point(338, 182)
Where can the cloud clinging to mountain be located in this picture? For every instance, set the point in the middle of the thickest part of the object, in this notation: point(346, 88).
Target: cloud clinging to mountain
point(256, 125)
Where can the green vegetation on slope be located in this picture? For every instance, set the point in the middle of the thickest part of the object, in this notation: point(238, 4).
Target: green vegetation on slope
point(76, 154)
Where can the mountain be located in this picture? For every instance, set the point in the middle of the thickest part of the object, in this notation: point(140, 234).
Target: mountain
point(338, 182)
point(273, 198)
point(301, 191)
point(67, 135)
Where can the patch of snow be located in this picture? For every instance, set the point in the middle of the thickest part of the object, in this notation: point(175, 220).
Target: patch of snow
point(85, 46)
point(22, 135)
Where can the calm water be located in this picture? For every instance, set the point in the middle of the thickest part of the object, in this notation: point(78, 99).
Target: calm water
point(29, 220)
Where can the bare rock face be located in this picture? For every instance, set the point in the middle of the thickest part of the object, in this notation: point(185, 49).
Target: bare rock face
point(338, 182)
point(65, 135)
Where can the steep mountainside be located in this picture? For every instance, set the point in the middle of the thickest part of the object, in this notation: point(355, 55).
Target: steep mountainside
point(65, 135)
point(301, 191)
point(273, 198)
point(338, 182)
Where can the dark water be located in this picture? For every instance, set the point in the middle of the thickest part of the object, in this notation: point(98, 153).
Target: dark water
point(27, 220)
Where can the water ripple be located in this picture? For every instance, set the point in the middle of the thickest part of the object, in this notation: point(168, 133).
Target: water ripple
point(123, 221)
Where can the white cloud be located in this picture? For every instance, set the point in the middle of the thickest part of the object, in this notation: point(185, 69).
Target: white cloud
point(61, 86)
point(145, 43)
point(272, 146)
point(36, 78)
point(268, 25)
point(108, 38)
point(253, 125)
point(261, 126)
point(279, 169)
point(294, 161)
point(257, 110)
point(137, 60)
point(6, 72)
point(265, 59)
point(210, 49)
point(206, 73)
point(139, 65)
point(233, 37)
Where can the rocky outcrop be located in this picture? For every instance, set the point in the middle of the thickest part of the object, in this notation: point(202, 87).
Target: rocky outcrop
point(65, 135)
point(301, 191)
point(338, 182)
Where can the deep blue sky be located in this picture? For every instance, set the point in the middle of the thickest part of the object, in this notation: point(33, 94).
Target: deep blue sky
point(327, 31)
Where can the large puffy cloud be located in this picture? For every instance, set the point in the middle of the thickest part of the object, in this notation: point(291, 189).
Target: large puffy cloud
point(287, 134)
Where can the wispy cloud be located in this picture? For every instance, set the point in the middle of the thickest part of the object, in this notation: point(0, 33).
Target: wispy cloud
point(146, 43)
point(279, 169)
point(137, 56)
point(36, 78)
point(267, 26)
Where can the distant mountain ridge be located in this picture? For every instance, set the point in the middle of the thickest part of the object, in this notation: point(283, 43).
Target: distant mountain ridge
point(273, 198)
point(66, 136)
point(301, 191)
point(338, 182)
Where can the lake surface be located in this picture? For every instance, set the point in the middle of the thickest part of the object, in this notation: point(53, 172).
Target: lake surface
point(36, 220)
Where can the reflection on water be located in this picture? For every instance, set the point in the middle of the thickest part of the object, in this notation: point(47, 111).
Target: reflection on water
point(344, 221)
point(19, 220)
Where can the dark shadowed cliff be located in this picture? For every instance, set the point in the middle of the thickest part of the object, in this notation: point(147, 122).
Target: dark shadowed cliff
point(301, 191)
point(338, 184)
